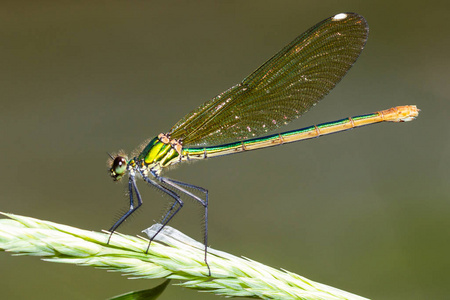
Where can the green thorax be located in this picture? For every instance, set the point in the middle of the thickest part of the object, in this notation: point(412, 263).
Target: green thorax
point(158, 153)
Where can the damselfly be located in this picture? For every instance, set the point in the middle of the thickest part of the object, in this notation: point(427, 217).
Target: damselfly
point(282, 89)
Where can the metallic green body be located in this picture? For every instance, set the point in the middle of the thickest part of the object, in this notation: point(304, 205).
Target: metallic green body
point(269, 140)
point(157, 155)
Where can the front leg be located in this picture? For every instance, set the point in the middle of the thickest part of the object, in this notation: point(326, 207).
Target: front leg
point(131, 187)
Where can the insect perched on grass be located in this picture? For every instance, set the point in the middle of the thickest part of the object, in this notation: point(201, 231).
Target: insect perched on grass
point(282, 89)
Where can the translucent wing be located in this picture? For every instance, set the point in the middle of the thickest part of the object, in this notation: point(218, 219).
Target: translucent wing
point(282, 89)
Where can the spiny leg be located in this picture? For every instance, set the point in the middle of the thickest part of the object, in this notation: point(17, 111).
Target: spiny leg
point(176, 184)
point(171, 212)
point(174, 204)
point(131, 186)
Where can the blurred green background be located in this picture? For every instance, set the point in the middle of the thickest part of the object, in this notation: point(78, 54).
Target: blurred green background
point(366, 211)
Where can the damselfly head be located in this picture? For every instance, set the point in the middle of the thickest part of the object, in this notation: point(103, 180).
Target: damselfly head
point(118, 167)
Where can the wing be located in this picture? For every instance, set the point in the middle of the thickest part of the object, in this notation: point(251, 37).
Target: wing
point(282, 89)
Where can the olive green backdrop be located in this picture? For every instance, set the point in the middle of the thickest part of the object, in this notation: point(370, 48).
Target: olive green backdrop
point(366, 211)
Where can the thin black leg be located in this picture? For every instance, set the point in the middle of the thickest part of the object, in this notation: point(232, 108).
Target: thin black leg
point(174, 209)
point(174, 204)
point(176, 184)
point(131, 188)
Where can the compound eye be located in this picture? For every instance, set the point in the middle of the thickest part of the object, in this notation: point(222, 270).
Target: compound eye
point(118, 168)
